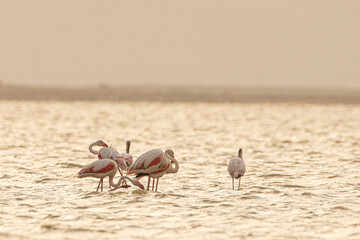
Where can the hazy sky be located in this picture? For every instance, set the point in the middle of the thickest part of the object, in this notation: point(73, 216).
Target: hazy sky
point(263, 42)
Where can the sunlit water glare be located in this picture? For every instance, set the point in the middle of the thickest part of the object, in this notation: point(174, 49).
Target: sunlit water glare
point(302, 179)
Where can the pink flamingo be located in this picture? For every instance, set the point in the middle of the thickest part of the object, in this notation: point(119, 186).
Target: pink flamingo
point(237, 168)
point(154, 163)
point(105, 168)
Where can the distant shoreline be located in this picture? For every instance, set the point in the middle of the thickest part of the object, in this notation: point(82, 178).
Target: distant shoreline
point(181, 94)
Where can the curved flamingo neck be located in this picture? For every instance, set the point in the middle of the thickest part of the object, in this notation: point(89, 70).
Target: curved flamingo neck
point(171, 169)
point(92, 150)
point(111, 181)
point(174, 170)
point(115, 185)
point(135, 182)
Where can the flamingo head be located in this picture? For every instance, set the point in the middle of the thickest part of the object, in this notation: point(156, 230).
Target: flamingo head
point(137, 183)
point(240, 153)
point(121, 163)
point(127, 158)
point(170, 153)
point(101, 143)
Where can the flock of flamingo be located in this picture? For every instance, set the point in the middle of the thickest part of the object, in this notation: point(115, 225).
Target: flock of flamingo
point(154, 164)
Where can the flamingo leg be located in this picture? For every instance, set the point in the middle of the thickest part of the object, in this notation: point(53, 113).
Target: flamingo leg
point(239, 183)
point(232, 183)
point(102, 184)
point(157, 182)
point(98, 185)
point(148, 184)
point(153, 185)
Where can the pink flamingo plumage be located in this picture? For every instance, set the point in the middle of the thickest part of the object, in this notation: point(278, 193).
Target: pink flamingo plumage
point(237, 168)
point(105, 168)
point(154, 164)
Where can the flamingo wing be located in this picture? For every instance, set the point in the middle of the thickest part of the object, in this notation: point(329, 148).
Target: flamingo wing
point(104, 153)
point(114, 152)
point(99, 166)
point(237, 165)
point(233, 164)
point(148, 162)
point(108, 153)
point(242, 167)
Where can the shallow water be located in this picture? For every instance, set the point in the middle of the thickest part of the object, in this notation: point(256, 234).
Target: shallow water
point(302, 179)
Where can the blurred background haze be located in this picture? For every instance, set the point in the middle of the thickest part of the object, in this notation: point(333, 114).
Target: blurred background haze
point(180, 43)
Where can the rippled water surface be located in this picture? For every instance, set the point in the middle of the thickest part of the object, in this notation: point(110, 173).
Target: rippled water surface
point(302, 179)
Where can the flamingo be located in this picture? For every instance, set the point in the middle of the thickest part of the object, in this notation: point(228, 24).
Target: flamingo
point(105, 168)
point(154, 163)
point(237, 168)
point(127, 157)
point(109, 153)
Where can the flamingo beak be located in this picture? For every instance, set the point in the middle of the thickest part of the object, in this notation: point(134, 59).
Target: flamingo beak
point(140, 185)
point(104, 144)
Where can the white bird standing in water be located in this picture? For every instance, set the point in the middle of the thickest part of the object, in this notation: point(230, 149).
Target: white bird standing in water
point(154, 164)
point(237, 168)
